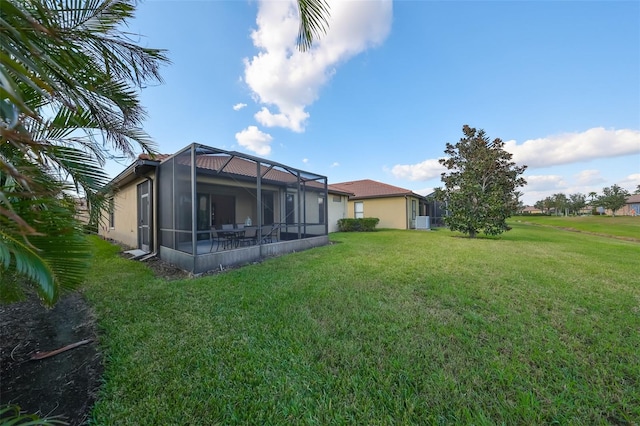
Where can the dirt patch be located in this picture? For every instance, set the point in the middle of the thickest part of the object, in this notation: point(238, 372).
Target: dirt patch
point(166, 270)
point(63, 385)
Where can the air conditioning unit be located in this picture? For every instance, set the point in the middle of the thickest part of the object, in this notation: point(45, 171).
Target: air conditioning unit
point(423, 222)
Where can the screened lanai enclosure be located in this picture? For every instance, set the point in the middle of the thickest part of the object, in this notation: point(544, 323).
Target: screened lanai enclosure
point(217, 208)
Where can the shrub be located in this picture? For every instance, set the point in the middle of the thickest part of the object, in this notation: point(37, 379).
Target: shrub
point(358, 225)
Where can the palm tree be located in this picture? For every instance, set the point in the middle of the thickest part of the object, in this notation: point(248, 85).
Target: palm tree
point(68, 95)
point(68, 80)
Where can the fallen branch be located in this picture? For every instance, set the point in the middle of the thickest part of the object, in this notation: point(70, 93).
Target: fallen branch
point(42, 355)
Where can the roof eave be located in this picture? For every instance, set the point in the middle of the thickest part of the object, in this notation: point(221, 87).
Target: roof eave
point(137, 169)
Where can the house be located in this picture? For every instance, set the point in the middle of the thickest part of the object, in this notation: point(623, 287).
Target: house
point(168, 205)
point(396, 207)
point(530, 210)
point(631, 207)
point(338, 207)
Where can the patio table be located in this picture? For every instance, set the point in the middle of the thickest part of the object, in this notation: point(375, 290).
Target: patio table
point(233, 235)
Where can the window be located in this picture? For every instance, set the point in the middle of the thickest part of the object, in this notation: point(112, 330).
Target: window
point(358, 208)
point(337, 199)
point(112, 214)
point(320, 209)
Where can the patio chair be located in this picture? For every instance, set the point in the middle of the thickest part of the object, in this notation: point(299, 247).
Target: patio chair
point(250, 236)
point(215, 238)
point(273, 235)
point(227, 226)
point(265, 235)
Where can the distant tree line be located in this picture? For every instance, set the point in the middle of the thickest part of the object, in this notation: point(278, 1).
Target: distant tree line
point(612, 198)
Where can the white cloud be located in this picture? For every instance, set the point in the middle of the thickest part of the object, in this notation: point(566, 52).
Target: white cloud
point(286, 80)
point(549, 151)
point(570, 148)
point(538, 183)
point(238, 107)
point(426, 170)
point(540, 187)
point(631, 182)
point(424, 191)
point(305, 160)
point(255, 140)
point(335, 164)
point(294, 120)
point(589, 177)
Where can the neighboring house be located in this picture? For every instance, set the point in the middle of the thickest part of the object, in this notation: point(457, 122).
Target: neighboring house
point(531, 210)
point(396, 207)
point(631, 208)
point(168, 204)
point(338, 206)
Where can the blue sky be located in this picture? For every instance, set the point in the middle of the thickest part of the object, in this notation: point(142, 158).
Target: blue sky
point(391, 82)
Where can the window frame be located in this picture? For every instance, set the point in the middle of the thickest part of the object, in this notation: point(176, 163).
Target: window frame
point(358, 213)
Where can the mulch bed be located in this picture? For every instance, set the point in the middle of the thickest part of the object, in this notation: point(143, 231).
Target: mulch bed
point(65, 384)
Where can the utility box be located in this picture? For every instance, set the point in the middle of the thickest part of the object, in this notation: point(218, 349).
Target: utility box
point(423, 222)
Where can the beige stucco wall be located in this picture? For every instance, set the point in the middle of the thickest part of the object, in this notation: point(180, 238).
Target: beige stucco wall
point(393, 212)
point(246, 202)
point(125, 228)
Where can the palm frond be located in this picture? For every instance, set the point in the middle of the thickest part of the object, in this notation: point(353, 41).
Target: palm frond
point(23, 257)
point(69, 60)
point(313, 22)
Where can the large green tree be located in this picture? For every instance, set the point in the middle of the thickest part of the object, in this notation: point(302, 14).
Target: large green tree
point(577, 202)
point(560, 203)
point(69, 80)
point(613, 198)
point(480, 184)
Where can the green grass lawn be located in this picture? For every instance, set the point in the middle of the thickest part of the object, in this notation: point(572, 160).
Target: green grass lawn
point(539, 326)
point(619, 226)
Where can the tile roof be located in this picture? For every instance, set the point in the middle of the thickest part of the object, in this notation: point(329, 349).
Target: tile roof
point(368, 188)
point(635, 198)
point(153, 157)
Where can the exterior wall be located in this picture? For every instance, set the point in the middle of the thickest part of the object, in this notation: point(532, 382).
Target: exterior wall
point(312, 212)
point(630, 209)
point(392, 211)
point(338, 208)
point(310, 215)
point(244, 193)
point(125, 230)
